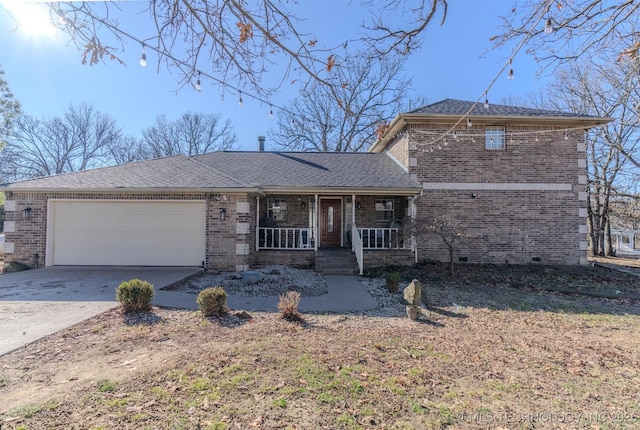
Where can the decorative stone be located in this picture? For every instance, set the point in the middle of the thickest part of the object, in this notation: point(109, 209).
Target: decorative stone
point(413, 312)
point(413, 293)
point(250, 277)
point(244, 315)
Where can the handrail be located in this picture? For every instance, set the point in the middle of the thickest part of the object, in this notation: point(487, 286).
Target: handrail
point(380, 238)
point(285, 238)
point(356, 241)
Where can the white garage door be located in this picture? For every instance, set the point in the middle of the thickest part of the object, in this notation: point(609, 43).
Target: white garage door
point(126, 233)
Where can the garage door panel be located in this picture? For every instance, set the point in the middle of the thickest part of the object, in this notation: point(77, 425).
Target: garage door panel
point(149, 233)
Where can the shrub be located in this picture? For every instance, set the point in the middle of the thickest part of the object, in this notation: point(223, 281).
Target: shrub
point(288, 306)
point(135, 295)
point(393, 281)
point(212, 301)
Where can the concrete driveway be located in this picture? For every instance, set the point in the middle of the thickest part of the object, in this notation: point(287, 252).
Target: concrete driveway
point(36, 303)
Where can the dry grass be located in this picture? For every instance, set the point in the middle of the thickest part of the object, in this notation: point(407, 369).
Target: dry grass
point(489, 357)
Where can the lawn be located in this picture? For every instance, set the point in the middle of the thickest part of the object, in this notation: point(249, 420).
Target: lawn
point(499, 350)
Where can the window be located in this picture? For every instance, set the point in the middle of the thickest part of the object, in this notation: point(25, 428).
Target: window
point(277, 209)
point(384, 211)
point(494, 137)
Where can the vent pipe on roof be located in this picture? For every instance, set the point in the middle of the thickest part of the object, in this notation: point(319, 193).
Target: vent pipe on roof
point(261, 140)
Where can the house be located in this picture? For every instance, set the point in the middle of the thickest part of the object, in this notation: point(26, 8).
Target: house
point(512, 178)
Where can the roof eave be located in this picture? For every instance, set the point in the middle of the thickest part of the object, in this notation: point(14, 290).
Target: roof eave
point(400, 122)
point(410, 191)
point(150, 190)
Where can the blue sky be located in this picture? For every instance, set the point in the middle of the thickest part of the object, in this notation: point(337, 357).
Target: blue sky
point(46, 75)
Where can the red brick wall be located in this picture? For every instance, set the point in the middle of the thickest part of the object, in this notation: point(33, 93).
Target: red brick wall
point(519, 205)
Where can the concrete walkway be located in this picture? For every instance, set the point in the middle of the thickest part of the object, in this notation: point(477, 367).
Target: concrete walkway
point(40, 302)
point(346, 294)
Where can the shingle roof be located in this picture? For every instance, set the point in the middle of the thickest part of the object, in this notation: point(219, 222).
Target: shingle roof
point(178, 172)
point(311, 169)
point(237, 170)
point(461, 107)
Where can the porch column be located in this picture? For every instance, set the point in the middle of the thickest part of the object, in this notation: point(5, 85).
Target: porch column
point(353, 218)
point(257, 223)
point(315, 224)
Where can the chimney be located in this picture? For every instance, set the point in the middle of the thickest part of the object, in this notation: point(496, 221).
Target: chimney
point(261, 140)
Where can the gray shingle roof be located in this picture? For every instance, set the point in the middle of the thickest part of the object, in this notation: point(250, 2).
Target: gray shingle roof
point(237, 170)
point(311, 169)
point(178, 172)
point(461, 107)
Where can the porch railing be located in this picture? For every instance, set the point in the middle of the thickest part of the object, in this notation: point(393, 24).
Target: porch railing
point(380, 238)
point(285, 238)
point(356, 243)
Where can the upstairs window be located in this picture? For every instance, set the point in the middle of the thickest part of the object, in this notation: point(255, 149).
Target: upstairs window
point(494, 137)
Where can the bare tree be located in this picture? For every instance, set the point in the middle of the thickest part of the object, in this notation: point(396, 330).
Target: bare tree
point(9, 109)
point(372, 92)
point(559, 31)
point(76, 141)
point(127, 149)
point(238, 42)
point(191, 134)
point(605, 91)
point(452, 234)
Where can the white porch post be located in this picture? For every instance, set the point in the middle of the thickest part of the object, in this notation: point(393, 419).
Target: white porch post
point(315, 224)
point(257, 223)
point(353, 217)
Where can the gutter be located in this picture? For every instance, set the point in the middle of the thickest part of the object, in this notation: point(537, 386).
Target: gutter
point(401, 121)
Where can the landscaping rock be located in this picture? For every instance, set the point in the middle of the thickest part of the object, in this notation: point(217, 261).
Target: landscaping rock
point(244, 315)
point(413, 293)
point(250, 277)
point(413, 312)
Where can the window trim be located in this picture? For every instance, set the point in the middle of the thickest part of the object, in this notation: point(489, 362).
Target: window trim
point(381, 216)
point(277, 209)
point(493, 132)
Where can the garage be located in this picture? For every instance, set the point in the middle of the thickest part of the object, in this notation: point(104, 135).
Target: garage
point(126, 233)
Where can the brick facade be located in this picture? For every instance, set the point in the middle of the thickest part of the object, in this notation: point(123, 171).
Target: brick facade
point(228, 246)
point(519, 205)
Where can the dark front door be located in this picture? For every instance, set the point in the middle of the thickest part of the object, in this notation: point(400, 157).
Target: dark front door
point(330, 222)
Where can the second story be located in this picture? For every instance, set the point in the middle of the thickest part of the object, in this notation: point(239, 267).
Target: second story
point(455, 141)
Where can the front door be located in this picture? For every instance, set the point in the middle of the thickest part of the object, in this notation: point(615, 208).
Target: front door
point(330, 222)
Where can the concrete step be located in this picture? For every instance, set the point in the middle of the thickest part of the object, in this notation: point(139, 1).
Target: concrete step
point(336, 262)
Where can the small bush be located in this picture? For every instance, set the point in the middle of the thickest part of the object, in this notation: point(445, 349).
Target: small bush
point(135, 295)
point(212, 301)
point(393, 281)
point(288, 306)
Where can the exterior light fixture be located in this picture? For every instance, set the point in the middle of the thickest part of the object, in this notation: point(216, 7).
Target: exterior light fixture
point(26, 212)
point(223, 214)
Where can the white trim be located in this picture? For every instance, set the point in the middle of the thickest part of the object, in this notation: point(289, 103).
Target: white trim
point(9, 226)
point(10, 206)
point(496, 186)
point(398, 162)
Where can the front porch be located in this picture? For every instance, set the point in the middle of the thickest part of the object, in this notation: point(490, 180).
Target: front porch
point(290, 229)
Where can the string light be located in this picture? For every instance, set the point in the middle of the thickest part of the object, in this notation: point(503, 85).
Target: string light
point(537, 138)
point(510, 74)
point(198, 86)
point(469, 123)
point(270, 111)
point(143, 58)
point(240, 99)
point(446, 141)
point(455, 136)
point(486, 102)
point(566, 135)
